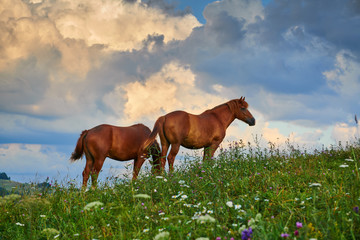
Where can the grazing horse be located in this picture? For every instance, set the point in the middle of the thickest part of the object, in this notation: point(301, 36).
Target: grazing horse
point(206, 130)
point(118, 143)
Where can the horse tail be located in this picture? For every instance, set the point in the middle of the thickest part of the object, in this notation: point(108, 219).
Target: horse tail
point(79, 149)
point(158, 126)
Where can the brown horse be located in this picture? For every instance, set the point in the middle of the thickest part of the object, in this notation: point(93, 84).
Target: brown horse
point(118, 143)
point(206, 130)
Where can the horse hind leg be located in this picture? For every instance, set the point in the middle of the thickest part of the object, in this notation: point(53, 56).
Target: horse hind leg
point(98, 163)
point(171, 158)
point(164, 150)
point(88, 168)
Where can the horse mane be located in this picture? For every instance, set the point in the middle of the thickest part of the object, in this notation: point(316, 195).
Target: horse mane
point(235, 104)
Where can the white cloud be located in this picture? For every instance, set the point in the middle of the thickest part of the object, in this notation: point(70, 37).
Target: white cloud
point(345, 77)
point(345, 133)
point(25, 158)
point(172, 88)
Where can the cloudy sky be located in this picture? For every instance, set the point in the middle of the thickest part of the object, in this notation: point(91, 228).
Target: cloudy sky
point(69, 65)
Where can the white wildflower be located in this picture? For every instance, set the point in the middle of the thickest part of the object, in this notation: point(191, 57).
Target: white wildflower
point(206, 218)
point(184, 197)
point(95, 204)
point(314, 184)
point(162, 236)
point(344, 166)
point(141, 195)
point(237, 206)
point(20, 224)
point(181, 182)
point(229, 204)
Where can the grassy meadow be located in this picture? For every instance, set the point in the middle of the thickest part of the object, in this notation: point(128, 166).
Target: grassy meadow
point(246, 192)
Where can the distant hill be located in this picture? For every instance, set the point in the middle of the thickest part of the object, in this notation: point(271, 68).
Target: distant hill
point(4, 176)
point(8, 186)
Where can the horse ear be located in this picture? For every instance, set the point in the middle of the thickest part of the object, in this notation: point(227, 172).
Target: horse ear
point(242, 99)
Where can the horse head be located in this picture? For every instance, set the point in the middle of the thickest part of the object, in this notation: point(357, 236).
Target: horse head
point(240, 109)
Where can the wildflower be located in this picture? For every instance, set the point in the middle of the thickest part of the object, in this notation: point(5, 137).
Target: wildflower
point(184, 197)
point(162, 236)
point(50, 232)
point(146, 230)
point(42, 216)
point(314, 184)
point(344, 166)
point(181, 182)
point(159, 177)
point(210, 211)
point(229, 204)
point(284, 235)
point(140, 195)
point(349, 160)
point(202, 238)
point(237, 206)
point(296, 233)
point(20, 224)
point(356, 209)
point(206, 218)
point(299, 225)
point(218, 238)
point(91, 205)
point(246, 234)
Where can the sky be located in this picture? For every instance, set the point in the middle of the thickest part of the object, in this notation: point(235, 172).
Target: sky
point(70, 65)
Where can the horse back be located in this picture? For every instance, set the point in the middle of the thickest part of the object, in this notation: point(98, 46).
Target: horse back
point(119, 143)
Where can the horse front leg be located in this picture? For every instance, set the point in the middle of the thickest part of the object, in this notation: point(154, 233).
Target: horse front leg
point(209, 151)
point(138, 162)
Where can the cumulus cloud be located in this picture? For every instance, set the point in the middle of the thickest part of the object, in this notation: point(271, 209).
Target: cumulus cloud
point(170, 89)
point(345, 132)
point(345, 77)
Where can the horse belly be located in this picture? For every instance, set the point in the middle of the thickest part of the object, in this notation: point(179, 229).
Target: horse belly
point(192, 142)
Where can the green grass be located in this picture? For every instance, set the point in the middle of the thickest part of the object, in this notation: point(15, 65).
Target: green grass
point(269, 190)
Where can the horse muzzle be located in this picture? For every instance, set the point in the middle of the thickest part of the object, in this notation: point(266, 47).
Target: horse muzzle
point(251, 121)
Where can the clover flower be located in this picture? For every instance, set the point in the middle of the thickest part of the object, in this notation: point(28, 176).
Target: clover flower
point(284, 235)
point(299, 225)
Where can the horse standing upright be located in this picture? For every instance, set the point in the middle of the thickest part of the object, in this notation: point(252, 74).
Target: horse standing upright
point(118, 143)
point(206, 130)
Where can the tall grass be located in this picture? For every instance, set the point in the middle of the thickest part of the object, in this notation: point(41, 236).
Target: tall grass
point(245, 192)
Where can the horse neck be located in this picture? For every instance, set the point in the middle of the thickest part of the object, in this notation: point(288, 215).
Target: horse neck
point(224, 114)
